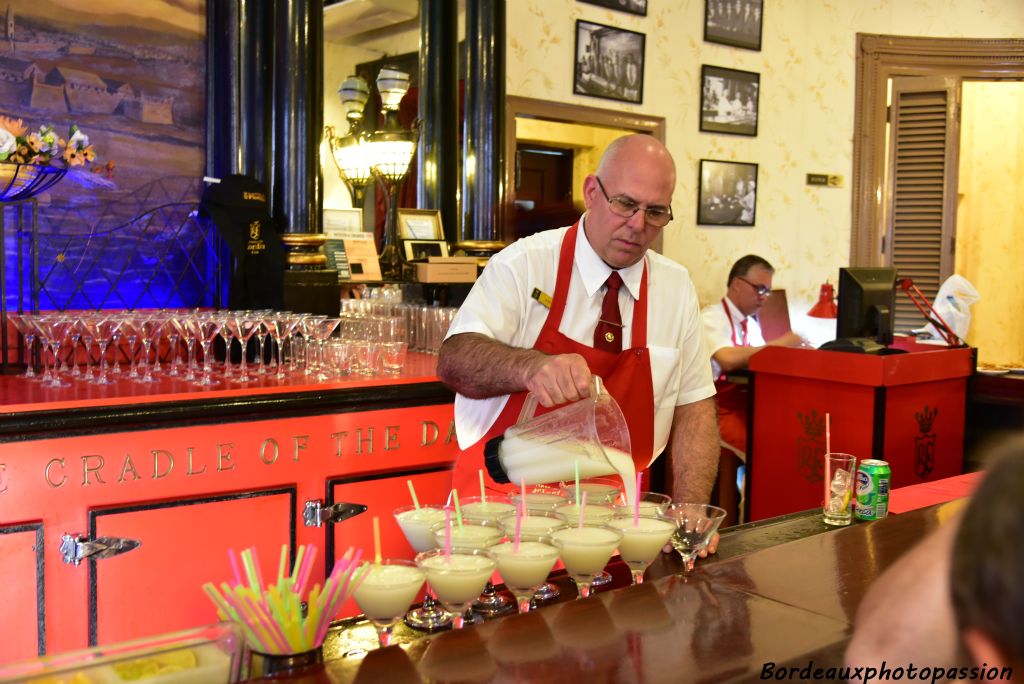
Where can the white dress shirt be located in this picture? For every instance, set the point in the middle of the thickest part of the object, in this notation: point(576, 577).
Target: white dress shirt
point(500, 306)
point(721, 330)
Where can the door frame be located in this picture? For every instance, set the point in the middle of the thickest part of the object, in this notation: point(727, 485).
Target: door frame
point(880, 57)
point(564, 113)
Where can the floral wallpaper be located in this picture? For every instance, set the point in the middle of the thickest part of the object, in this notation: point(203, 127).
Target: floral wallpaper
point(990, 222)
point(807, 68)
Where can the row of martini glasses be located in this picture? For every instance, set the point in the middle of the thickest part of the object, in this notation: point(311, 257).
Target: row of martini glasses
point(521, 537)
point(69, 346)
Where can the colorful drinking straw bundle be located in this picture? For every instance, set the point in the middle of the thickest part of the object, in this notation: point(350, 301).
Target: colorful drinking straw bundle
point(271, 615)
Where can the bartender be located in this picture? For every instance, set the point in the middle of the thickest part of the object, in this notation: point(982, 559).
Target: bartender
point(733, 335)
point(555, 308)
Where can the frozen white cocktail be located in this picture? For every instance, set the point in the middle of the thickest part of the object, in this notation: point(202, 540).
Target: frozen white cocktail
point(386, 592)
point(457, 578)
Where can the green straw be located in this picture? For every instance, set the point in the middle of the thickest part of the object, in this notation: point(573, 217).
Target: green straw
point(458, 508)
point(412, 492)
point(577, 462)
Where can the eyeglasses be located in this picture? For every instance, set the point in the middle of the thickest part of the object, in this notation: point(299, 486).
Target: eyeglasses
point(627, 208)
point(761, 290)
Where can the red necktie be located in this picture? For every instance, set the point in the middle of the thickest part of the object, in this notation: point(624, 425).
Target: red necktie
point(743, 327)
point(608, 333)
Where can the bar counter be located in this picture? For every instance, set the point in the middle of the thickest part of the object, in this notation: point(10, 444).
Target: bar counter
point(780, 593)
point(178, 474)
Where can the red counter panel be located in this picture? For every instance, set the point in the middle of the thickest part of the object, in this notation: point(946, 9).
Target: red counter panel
point(157, 587)
point(21, 559)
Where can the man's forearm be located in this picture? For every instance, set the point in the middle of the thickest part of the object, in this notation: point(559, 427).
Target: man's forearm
point(694, 448)
point(478, 367)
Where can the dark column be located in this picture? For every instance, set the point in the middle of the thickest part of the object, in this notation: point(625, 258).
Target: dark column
point(438, 154)
point(296, 186)
point(482, 191)
point(237, 89)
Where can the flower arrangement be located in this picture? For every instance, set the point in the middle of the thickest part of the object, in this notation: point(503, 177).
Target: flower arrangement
point(43, 147)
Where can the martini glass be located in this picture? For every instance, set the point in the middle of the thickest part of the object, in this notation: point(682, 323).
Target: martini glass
point(696, 523)
point(493, 508)
point(539, 498)
point(457, 578)
point(651, 504)
point(243, 326)
point(321, 329)
point(86, 325)
point(524, 567)
point(417, 525)
point(585, 550)
point(25, 326)
point(55, 327)
point(599, 490)
point(207, 327)
point(536, 526)
point(107, 330)
point(385, 593)
point(643, 538)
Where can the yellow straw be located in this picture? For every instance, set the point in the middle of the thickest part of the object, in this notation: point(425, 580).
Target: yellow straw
point(458, 509)
point(376, 540)
point(282, 565)
point(483, 492)
point(412, 492)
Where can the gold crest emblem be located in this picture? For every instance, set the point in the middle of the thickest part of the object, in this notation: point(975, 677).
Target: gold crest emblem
point(254, 230)
point(609, 337)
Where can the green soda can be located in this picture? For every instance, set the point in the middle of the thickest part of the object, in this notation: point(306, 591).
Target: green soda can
point(872, 490)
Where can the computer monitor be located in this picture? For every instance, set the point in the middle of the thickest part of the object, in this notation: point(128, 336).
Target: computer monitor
point(867, 299)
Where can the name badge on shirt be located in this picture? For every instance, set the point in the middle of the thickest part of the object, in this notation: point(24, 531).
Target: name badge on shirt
point(543, 297)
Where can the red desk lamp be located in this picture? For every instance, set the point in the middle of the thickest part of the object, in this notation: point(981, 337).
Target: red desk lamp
point(825, 307)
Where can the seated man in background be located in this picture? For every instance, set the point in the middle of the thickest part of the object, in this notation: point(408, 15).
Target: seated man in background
point(733, 335)
point(956, 597)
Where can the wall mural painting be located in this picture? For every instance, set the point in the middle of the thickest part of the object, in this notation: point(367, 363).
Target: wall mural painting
point(132, 76)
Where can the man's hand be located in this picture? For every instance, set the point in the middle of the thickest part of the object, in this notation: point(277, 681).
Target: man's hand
point(790, 339)
point(712, 546)
point(555, 380)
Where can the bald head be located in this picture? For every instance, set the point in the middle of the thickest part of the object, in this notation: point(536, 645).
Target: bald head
point(638, 151)
point(636, 172)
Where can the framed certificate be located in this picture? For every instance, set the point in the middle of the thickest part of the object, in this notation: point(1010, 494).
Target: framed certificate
point(420, 224)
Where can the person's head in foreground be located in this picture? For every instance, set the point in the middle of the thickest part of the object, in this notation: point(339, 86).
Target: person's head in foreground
point(988, 564)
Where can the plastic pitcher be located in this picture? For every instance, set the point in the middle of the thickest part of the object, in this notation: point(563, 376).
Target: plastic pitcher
point(546, 448)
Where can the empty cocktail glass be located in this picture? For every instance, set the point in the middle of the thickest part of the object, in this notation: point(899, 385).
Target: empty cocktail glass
point(695, 524)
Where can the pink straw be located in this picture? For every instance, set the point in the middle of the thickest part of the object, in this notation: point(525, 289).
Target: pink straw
point(522, 485)
point(583, 504)
point(519, 527)
point(636, 506)
point(828, 434)
point(447, 535)
point(233, 557)
point(306, 569)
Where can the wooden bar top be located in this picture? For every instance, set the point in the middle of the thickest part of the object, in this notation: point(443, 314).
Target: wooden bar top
point(732, 616)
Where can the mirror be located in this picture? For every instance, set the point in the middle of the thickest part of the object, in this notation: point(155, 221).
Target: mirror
point(549, 146)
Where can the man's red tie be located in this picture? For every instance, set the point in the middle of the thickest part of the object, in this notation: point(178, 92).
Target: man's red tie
point(743, 327)
point(608, 333)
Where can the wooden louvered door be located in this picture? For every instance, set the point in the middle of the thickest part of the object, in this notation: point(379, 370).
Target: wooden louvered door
point(924, 135)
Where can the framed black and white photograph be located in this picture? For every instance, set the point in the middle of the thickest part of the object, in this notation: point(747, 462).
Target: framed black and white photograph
point(421, 250)
point(727, 194)
point(734, 22)
point(728, 100)
point(638, 7)
point(609, 62)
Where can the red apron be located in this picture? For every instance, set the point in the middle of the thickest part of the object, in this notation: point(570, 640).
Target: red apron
point(626, 376)
point(732, 402)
